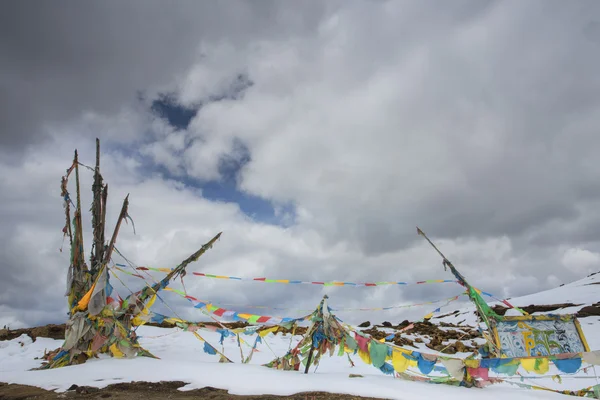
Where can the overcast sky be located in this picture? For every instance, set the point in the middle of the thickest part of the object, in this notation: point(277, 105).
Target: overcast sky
point(316, 135)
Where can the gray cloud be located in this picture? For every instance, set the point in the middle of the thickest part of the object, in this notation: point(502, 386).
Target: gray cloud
point(62, 59)
point(475, 120)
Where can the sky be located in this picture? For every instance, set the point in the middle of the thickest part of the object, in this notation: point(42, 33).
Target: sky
point(315, 135)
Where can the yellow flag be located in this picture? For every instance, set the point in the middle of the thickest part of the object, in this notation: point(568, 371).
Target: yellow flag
point(174, 320)
point(267, 331)
point(399, 362)
point(365, 356)
point(139, 319)
point(85, 300)
point(539, 365)
point(115, 351)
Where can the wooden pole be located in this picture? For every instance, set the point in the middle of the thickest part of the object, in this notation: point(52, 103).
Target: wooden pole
point(97, 255)
point(420, 232)
point(310, 355)
point(78, 258)
point(103, 220)
point(312, 346)
point(122, 216)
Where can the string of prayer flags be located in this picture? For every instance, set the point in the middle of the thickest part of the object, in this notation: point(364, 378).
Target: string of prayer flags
point(591, 391)
point(237, 316)
point(538, 365)
point(450, 299)
point(322, 283)
point(118, 267)
point(121, 267)
point(401, 359)
point(381, 355)
point(290, 281)
point(250, 318)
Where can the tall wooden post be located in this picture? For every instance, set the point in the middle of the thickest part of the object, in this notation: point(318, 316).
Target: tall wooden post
point(310, 355)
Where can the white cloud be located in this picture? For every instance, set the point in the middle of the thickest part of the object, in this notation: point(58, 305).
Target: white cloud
point(581, 260)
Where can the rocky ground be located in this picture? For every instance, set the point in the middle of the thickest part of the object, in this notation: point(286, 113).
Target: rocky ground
point(148, 390)
point(445, 338)
point(586, 311)
point(49, 331)
point(58, 331)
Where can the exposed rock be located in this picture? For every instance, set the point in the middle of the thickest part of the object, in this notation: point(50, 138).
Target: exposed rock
point(400, 340)
point(593, 310)
point(446, 315)
point(155, 390)
point(375, 333)
point(80, 358)
point(530, 309)
point(386, 324)
point(50, 331)
point(460, 347)
point(365, 324)
point(450, 349)
point(403, 324)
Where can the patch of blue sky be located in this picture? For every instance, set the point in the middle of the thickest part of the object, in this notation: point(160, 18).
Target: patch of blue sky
point(225, 189)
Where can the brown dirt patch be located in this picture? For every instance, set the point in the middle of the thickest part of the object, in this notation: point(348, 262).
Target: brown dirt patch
point(232, 325)
point(49, 331)
point(589, 311)
point(58, 331)
point(149, 390)
point(501, 310)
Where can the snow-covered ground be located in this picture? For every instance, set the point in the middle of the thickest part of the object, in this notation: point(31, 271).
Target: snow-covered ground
point(182, 358)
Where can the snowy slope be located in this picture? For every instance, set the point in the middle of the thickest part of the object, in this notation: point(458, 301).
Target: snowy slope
point(584, 292)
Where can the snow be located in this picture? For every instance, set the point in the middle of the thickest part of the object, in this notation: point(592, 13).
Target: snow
point(583, 292)
point(182, 358)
